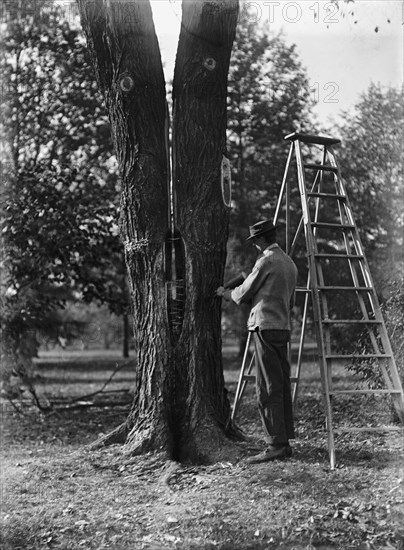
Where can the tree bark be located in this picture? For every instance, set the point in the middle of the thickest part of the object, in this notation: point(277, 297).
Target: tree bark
point(125, 346)
point(126, 57)
point(199, 142)
point(180, 405)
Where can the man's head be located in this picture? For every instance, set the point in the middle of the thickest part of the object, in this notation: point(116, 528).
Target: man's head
point(262, 234)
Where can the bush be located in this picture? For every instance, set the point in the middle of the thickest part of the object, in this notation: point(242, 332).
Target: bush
point(393, 313)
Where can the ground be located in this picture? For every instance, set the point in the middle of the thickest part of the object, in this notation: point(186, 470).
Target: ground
point(58, 493)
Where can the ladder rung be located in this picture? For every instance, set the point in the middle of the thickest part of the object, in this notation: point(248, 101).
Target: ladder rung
point(301, 289)
point(326, 196)
point(351, 321)
point(325, 167)
point(350, 256)
point(342, 392)
point(348, 288)
point(370, 429)
point(308, 138)
point(332, 225)
point(359, 356)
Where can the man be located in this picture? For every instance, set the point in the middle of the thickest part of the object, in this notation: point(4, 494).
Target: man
point(270, 291)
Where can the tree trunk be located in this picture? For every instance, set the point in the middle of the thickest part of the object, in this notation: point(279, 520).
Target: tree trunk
point(125, 317)
point(125, 347)
point(180, 404)
point(126, 57)
point(199, 142)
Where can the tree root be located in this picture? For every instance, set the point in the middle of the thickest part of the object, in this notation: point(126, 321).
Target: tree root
point(116, 437)
point(206, 444)
point(155, 438)
point(138, 439)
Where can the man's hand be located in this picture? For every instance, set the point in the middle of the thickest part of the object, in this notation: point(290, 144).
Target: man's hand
point(223, 293)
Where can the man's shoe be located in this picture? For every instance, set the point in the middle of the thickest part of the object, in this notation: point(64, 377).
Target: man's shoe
point(270, 453)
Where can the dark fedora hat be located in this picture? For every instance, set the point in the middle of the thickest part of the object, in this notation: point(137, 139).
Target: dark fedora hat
point(261, 228)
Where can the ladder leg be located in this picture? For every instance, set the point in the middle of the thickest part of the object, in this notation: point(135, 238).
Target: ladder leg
point(325, 378)
point(316, 301)
point(331, 449)
point(301, 346)
point(243, 386)
point(241, 381)
point(283, 186)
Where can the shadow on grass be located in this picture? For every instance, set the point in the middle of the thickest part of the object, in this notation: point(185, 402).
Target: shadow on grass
point(84, 364)
point(66, 378)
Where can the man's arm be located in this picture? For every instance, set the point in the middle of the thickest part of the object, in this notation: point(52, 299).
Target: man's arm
point(225, 291)
point(236, 281)
point(245, 292)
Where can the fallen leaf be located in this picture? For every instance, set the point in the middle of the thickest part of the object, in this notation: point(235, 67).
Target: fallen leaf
point(172, 519)
point(171, 538)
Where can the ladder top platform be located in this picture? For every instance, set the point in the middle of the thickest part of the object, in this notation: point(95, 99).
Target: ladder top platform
point(307, 138)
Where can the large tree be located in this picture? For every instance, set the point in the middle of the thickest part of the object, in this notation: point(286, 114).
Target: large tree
point(269, 97)
point(371, 159)
point(175, 234)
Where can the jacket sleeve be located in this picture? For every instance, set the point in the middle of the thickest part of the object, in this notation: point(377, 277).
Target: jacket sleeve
point(245, 292)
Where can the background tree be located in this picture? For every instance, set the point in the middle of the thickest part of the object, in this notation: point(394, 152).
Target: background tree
point(372, 166)
point(371, 161)
point(53, 110)
point(269, 97)
point(59, 183)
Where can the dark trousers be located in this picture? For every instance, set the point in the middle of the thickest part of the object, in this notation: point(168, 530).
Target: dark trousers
point(273, 384)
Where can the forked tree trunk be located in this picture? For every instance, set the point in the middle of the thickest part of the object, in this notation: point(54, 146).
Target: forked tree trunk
point(180, 404)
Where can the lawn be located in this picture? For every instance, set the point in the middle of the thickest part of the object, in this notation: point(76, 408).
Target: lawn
point(59, 494)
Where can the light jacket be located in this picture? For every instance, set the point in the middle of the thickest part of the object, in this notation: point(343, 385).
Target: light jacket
point(270, 290)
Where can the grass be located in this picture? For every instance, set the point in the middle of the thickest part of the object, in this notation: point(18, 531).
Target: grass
point(57, 494)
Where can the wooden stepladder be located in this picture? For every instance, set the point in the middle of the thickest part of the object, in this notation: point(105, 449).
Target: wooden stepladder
point(339, 293)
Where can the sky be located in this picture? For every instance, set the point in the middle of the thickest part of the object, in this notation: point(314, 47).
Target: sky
point(342, 53)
